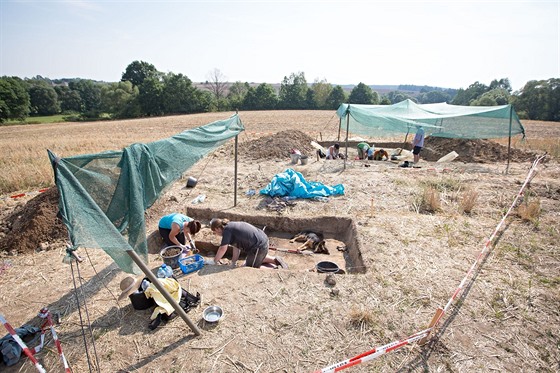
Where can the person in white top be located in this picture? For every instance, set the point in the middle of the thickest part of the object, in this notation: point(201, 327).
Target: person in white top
point(332, 151)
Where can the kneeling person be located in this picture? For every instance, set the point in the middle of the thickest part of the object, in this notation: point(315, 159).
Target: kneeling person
point(245, 238)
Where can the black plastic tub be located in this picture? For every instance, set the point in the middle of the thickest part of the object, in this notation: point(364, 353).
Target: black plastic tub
point(327, 267)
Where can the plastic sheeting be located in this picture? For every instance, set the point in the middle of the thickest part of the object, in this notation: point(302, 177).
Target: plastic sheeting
point(292, 183)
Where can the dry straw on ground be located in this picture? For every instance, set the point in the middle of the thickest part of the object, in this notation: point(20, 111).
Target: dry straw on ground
point(291, 321)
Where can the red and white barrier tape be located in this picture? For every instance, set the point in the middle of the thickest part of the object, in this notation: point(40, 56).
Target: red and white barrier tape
point(485, 249)
point(20, 195)
point(24, 347)
point(45, 314)
point(372, 354)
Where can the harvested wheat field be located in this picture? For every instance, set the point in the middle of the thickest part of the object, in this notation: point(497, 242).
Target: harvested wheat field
point(404, 237)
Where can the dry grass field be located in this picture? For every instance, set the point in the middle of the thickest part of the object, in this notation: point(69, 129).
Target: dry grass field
point(411, 234)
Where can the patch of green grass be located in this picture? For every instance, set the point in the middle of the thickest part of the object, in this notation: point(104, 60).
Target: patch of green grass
point(38, 120)
point(553, 282)
point(444, 184)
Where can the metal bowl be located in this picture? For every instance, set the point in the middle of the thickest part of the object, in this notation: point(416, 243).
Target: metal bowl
point(212, 314)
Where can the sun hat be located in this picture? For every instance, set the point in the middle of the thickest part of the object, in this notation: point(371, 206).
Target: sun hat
point(128, 286)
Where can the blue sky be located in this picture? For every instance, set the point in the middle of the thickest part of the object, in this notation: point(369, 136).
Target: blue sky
point(449, 43)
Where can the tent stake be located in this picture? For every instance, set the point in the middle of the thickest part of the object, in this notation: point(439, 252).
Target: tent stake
point(181, 312)
point(435, 319)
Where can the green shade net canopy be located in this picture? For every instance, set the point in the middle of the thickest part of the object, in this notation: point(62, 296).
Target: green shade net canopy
point(102, 197)
point(438, 120)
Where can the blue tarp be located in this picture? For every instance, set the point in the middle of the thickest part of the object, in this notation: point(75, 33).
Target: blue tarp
point(292, 183)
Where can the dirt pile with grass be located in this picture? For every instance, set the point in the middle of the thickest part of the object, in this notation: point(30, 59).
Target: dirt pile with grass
point(472, 151)
point(278, 146)
point(33, 226)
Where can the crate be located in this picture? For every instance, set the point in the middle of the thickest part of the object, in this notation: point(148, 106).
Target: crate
point(191, 263)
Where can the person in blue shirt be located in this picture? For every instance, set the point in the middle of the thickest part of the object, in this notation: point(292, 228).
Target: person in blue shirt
point(418, 143)
point(178, 229)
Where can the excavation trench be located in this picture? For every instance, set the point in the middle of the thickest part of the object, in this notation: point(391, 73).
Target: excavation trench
point(340, 235)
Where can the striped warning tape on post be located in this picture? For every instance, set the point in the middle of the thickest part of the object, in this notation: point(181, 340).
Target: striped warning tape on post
point(20, 195)
point(24, 347)
point(372, 354)
point(487, 243)
point(424, 334)
point(46, 315)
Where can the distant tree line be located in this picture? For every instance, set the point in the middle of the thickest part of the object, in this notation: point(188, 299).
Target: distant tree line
point(144, 91)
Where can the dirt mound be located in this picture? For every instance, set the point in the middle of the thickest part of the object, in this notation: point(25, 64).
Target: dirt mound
point(34, 225)
point(472, 151)
point(278, 146)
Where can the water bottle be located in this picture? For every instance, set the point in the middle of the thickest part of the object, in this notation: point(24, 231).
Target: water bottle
point(168, 271)
point(199, 199)
point(164, 271)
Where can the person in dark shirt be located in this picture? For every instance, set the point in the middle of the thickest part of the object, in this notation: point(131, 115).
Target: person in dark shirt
point(245, 238)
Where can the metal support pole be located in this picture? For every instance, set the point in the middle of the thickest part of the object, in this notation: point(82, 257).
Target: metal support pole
point(347, 129)
point(509, 139)
point(235, 173)
point(339, 127)
point(181, 312)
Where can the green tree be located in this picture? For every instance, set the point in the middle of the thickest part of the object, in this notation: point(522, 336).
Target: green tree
point(250, 101)
point(466, 96)
point(310, 102)
point(266, 97)
point(432, 97)
point(69, 100)
point(396, 97)
point(150, 96)
point(385, 101)
point(178, 95)
point(120, 100)
point(501, 84)
point(336, 97)
point(494, 97)
point(90, 95)
point(361, 94)
point(43, 98)
point(293, 92)
point(138, 71)
point(236, 94)
point(321, 90)
point(14, 99)
point(539, 100)
point(261, 98)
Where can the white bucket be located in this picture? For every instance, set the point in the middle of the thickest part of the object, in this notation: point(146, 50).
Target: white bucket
point(295, 158)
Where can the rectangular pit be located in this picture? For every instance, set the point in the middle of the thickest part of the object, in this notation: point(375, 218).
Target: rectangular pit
point(337, 231)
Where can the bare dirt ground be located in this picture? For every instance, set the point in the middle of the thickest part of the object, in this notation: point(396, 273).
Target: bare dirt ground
point(410, 263)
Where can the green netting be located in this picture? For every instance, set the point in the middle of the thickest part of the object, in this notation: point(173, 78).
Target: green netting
point(438, 120)
point(102, 197)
